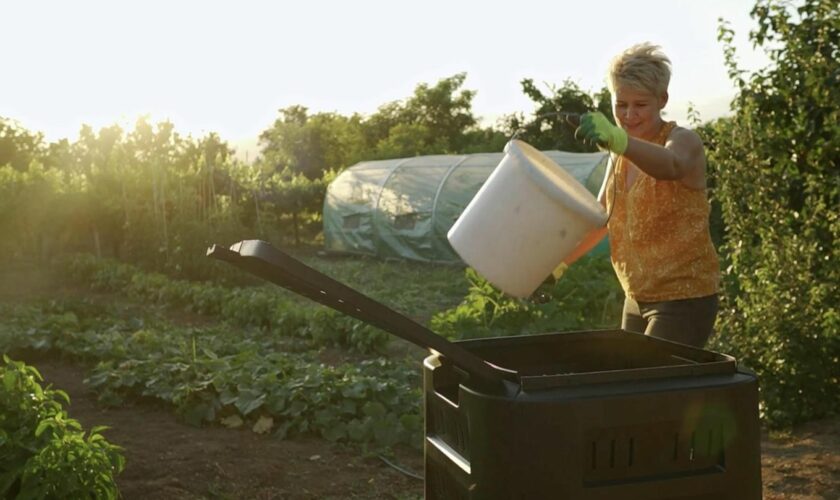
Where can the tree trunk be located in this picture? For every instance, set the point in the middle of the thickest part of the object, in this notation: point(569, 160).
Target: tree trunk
point(97, 245)
point(259, 219)
point(212, 188)
point(295, 228)
point(163, 209)
point(126, 225)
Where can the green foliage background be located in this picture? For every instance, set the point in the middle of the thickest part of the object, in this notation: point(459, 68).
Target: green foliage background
point(154, 197)
point(776, 169)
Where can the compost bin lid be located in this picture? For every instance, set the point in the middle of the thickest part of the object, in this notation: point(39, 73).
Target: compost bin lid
point(567, 359)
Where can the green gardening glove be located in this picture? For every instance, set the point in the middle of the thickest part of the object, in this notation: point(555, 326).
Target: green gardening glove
point(596, 129)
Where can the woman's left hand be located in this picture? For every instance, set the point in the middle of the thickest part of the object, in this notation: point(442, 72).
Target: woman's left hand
point(596, 129)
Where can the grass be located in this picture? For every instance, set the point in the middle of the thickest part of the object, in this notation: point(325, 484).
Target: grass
point(416, 289)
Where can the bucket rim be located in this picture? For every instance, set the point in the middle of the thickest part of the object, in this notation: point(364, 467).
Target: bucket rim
point(581, 201)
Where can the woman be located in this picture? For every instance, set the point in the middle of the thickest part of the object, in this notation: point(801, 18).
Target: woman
point(655, 192)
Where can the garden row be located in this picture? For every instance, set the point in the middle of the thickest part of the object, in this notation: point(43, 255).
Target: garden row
point(234, 377)
point(268, 308)
point(586, 297)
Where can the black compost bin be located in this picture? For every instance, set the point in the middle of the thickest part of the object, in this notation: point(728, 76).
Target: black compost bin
point(596, 415)
point(584, 415)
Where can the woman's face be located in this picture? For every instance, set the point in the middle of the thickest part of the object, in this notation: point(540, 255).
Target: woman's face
point(637, 111)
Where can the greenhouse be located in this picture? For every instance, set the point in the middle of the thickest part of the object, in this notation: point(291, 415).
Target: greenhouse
point(403, 208)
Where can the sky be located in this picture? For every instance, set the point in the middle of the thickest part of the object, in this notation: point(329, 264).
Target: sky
point(228, 67)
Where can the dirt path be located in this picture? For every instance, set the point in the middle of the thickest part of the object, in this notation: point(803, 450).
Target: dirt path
point(803, 465)
point(167, 459)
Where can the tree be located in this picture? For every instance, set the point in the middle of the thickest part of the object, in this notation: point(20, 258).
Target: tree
point(293, 194)
point(22, 207)
point(548, 130)
point(434, 120)
point(100, 205)
point(18, 146)
point(311, 144)
point(445, 110)
point(777, 176)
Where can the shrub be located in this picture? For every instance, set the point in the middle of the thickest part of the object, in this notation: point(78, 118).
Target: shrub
point(775, 166)
point(587, 296)
point(43, 452)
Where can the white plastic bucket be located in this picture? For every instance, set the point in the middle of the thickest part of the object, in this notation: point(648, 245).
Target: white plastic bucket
point(526, 218)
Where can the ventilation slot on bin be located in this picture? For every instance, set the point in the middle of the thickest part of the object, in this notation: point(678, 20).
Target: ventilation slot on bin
point(444, 422)
point(634, 454)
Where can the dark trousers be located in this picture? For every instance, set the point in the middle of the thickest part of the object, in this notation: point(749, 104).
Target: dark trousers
point(688, 321)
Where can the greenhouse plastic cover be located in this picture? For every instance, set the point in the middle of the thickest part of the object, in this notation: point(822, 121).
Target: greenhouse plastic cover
point(403, 208)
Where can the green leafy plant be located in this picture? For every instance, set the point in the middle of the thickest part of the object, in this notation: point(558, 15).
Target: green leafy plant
point(586, 297)
point(43, 452)
point(775, 170)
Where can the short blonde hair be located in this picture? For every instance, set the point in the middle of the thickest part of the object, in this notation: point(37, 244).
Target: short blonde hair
point(642, 66)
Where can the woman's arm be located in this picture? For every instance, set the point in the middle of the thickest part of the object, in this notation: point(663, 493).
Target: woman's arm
point(682, 158)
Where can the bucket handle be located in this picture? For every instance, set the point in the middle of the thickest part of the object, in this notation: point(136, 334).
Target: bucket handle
point(572, 119)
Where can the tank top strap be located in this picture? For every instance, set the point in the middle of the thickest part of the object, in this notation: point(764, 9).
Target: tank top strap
point(664, 133)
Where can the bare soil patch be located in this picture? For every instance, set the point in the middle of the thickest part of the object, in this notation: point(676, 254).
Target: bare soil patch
point(803, 464)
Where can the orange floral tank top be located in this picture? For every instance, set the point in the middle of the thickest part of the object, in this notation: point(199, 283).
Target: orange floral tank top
point(660, 243)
